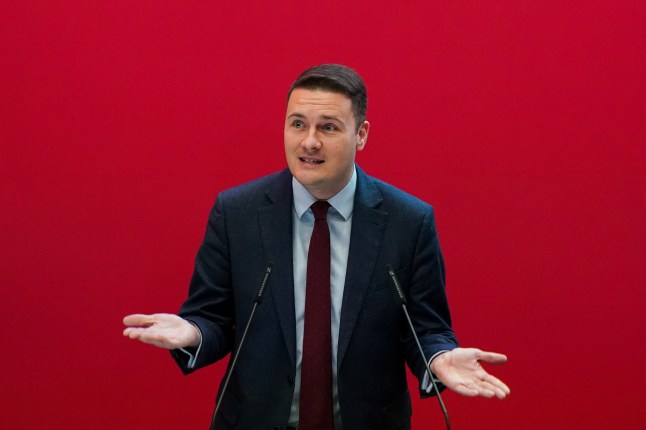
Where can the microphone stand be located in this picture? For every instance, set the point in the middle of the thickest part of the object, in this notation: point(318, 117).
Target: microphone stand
point(256, 301)
point(403, 302)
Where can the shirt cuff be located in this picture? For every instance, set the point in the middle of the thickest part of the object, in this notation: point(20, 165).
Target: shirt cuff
point(426, 382)
point(193, 353)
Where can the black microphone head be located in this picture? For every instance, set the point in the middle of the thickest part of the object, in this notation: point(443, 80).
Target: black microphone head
point(261, 288)
point(393, 278)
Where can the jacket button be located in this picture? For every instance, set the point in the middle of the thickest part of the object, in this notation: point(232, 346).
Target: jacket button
point(290, 379)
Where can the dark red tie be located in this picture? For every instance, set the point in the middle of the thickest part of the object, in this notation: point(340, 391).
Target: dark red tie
point(316, 411)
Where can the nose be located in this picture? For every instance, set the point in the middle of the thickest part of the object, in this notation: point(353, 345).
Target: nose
point(311, 142)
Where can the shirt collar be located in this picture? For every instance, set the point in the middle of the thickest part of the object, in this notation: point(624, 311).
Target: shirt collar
point(342, 202)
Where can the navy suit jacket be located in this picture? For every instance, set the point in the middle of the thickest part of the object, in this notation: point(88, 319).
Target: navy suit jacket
point(250, 226)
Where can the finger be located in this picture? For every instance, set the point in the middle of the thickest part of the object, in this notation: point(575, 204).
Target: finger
point(489, 382)
point(501, 394)
point(468, 391)
point(480, 389)
point(486, 392)
point(134, 332)
point(146, 336)
point(489, 390)
point(498, 384)
point(492, 357)
point(138, 320)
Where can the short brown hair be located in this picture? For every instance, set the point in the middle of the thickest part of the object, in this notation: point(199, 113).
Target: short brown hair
point(336, 78)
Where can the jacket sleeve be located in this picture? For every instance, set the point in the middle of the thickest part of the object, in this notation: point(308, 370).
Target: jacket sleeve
point(210, 298)
point(427, 302)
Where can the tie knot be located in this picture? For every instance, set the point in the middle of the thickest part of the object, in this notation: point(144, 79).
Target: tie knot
point(319, 208)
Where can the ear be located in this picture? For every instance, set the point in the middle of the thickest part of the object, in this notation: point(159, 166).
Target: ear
point(362, 135)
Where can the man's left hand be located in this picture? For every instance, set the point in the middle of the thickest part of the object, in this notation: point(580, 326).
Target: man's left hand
point(461, 371)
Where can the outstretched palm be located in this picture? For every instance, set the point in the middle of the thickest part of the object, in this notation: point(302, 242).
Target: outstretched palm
point(461, 371)
point(166, 331)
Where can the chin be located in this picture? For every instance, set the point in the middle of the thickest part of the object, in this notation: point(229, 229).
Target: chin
point(306, 179)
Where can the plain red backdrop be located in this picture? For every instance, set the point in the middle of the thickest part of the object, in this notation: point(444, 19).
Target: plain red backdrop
point(522, 122)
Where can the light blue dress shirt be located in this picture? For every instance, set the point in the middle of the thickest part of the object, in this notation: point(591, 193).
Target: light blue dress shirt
point(339, 221)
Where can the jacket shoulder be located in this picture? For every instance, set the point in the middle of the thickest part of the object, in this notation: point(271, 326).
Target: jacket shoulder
point(275, 185)
point(397, 199)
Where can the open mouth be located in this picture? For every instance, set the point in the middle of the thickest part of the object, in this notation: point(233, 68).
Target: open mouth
point(310, 161)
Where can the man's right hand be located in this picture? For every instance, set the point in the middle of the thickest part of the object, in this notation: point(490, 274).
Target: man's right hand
point(166, 331)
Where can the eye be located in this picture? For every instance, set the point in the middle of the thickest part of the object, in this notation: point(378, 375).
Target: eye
point(329, 127)
point(298, 123)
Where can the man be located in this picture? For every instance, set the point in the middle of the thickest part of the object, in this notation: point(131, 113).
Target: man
point(365, 341)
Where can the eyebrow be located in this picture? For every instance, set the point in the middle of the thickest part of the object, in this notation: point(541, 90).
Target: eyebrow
point(325, 117)
point(332, 117)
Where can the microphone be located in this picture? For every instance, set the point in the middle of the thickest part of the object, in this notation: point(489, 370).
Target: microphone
point(261, 289)
point(401, 298)
point(256, 301)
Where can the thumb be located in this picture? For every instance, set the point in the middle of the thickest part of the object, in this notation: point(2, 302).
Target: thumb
point(492, 357)
point(138, 320)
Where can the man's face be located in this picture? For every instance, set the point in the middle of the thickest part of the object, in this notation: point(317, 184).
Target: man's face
point(321, 140)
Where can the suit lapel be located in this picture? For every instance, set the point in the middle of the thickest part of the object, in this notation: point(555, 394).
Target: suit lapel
point(368, 225)
point(276, 236)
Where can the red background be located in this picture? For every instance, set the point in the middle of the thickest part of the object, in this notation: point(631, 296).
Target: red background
point(522, 122)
